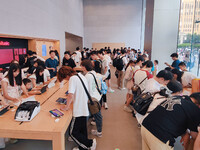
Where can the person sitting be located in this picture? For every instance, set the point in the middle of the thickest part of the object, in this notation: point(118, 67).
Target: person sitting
point(11, 85)
point(170, 120)
point(175, 63)
point(67, 60)
point(41, 75)
point(77, 95)
point(52, 64)
point(30, 90)
point(185, 78)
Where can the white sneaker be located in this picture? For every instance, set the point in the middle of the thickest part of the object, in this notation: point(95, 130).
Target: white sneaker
point(111, 90)
point(95, 132)
point(94, 144)
point(70, 139)
point(93, 123)
point(75, 148)
point(106, 105)
point(127, 109)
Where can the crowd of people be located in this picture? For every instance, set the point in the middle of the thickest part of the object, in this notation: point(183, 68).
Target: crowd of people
point(169, 115)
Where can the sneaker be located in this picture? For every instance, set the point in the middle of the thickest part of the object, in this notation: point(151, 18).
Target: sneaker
point(111, 90)
point(106, 106)
point(70, 139)
point(93, 123)
point(75, 148)
point(94, 144)
point(133, 114)
point(95, 132)
point(127, 109)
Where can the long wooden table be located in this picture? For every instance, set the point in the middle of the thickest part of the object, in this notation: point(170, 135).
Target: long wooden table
point(43, 126)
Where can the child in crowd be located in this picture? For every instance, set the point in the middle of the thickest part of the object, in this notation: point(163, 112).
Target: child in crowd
point(30, 90)
point(182, 66)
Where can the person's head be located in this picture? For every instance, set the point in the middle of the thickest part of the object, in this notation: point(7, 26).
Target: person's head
point(145, 57)
point(52, 54)
point(148, 65)
point(65, 72)
point(34, 53)
point(93, 55)
point(29, 53)
point(39, 74)
point(14, 72)
point(56, 52)
point(123, 51)
point(177, 74)
point(145, 52)
point(100, 54)
point(36, 62)
point(155, 62)
point(77, 48)
point(41, 63)
point(67, 55)
point(182, 66)
point(174, 56)
point(195, 97)
point(74, 54)
point(86, 65)
point(27, 83)
point(164, 77)
point(175, 87)
point(140, 60)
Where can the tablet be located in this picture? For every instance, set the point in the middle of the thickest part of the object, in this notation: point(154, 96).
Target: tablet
point(62, 100)
point(56, 113)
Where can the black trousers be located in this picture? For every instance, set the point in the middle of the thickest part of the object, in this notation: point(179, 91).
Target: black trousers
point(78, 132)
point(103, 99)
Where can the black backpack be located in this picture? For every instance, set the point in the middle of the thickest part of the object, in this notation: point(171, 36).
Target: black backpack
point(119, 63)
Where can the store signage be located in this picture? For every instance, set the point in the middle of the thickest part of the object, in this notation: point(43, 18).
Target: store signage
point(6, 43)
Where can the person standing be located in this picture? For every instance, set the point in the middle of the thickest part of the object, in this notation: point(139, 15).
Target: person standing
point(52, 64)
point(67, 60)
point(78, 56)
point(77, 95)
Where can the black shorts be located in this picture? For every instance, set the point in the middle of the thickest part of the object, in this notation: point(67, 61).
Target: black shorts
point(109, 76)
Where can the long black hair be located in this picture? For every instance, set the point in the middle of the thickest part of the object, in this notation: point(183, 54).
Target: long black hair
point(131, 61)
point(37, 74)
point(178, 73)
point(13, 68)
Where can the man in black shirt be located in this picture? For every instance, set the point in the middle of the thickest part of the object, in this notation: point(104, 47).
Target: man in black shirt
point(67, 60)
point(171, 119)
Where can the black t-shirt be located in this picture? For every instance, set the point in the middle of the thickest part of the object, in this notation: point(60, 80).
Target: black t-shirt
point(69, 62)
point(97, 66)
point(172, 118)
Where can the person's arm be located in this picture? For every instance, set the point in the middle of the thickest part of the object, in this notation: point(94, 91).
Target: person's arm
point(24, 89)
point(34, 92)
point(197, 142)
point(33, 82)
point(169, 65)
point(5, 92)
point(69, 101)
point(2, 101)
point(47, 66)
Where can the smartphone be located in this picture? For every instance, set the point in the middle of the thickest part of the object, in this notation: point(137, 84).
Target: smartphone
point(56, 113)
point(62, 100)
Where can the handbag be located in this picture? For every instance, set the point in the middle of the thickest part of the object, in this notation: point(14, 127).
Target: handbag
point(142, 103)
point(136, 90)
point(93, 105)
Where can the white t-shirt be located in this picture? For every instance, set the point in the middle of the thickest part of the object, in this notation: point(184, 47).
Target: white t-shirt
point(125, 62)
point(152, 86)
point(136, 68)
point(78, 56)
point(187, 78)
point(138, 77)
point(107, 56)
point(45, 75)
point(105, 64)
point(92, 88)
point(80, 102)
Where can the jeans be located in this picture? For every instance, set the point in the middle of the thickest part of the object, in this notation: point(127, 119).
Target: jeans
point(98, 119)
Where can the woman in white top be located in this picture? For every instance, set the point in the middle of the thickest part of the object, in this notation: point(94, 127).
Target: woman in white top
point(41, 75)
point(77, 95)
point(139, 62)
point(94, 92)
point(11, 85)
point(129, 84)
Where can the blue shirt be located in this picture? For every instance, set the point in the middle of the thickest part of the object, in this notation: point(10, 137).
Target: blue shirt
point(175, 64)
point(52, 63)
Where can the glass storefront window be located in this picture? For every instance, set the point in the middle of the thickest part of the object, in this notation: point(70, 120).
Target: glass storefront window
point(189, 35)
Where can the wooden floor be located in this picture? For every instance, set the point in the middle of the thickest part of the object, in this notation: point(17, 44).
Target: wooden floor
point(120, 129)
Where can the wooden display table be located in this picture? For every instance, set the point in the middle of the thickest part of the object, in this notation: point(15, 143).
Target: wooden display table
point(43, 126)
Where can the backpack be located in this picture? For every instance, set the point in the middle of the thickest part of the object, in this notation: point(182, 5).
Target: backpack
point(119, 64)
point(115, 62)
